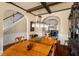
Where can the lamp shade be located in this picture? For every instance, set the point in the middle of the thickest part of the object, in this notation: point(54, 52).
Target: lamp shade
point(45, 26)
point(33, 25)
point(37, 25)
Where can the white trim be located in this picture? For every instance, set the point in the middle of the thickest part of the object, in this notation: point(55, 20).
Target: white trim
point(1, 45)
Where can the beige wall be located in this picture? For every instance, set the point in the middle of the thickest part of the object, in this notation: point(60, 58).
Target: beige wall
point(18, 27)
point(1, 36)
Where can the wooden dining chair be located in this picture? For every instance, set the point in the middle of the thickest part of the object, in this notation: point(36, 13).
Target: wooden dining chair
point(20, 38)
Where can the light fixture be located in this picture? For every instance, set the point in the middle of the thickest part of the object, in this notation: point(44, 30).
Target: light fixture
point(33, 25)
point(45, 26)
point(39, 23)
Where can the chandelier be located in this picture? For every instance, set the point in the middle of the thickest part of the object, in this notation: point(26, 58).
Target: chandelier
point(39, 23)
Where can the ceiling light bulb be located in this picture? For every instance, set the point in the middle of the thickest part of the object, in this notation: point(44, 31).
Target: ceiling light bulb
point(33, 25)
point(46, 26)
point(37, 25)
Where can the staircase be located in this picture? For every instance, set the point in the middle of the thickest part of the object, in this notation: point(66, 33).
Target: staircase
point(10, 21)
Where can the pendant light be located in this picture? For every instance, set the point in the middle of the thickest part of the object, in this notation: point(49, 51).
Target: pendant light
point(38, 23)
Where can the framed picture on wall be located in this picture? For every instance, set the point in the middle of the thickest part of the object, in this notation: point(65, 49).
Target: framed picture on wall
point(32, 26)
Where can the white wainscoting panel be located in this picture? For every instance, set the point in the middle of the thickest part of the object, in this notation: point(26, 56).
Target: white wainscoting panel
point(1, 45)
point(62, 38)
point(10, 38)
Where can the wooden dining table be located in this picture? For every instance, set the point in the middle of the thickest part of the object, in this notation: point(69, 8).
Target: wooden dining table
point(41, 48)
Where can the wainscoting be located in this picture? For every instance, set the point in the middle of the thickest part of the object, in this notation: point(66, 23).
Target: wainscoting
point(10, 38)
point(62, 38)
point(1, 46)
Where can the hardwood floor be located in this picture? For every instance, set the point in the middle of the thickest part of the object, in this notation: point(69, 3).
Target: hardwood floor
point(62, 50)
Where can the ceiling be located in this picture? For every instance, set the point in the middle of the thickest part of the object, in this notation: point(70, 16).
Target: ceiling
point(27, 5)
point(41, 8)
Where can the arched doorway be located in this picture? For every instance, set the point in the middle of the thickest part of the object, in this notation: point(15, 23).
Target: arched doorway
point(52, 24)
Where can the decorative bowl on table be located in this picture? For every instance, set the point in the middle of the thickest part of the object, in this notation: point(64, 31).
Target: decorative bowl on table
point(29, 46)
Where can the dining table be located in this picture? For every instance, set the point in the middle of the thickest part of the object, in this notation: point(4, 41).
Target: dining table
point(41, 48)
